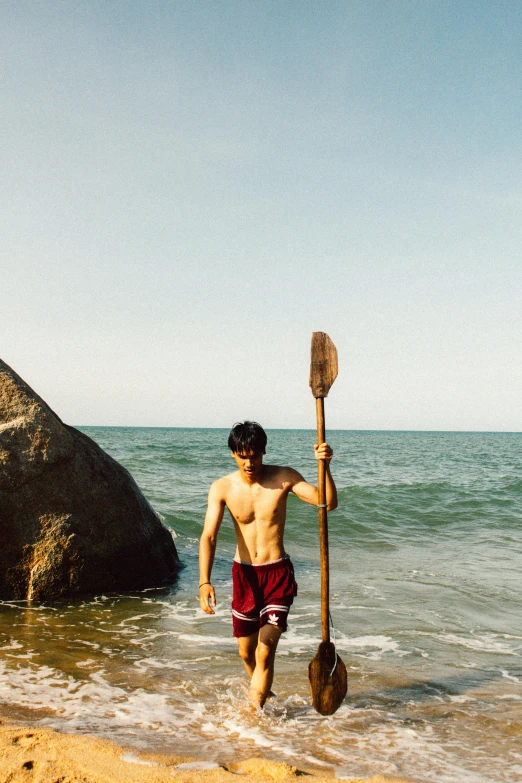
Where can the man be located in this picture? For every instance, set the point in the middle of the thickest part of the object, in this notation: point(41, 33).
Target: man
point(263, 577)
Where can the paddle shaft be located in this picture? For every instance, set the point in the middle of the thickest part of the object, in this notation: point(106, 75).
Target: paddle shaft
point(323, 525)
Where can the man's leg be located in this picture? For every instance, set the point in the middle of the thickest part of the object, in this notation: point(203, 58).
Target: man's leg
point(263, 673)
point(247, 651)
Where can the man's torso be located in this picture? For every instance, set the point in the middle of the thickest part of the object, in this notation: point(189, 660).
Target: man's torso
point(258, 511)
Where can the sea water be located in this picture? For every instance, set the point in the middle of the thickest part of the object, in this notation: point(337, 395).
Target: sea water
point(426, 601)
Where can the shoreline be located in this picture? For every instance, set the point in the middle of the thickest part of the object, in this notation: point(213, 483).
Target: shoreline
point(48, 756)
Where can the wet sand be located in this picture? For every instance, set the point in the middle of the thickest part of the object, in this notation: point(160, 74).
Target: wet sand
point(48, 756)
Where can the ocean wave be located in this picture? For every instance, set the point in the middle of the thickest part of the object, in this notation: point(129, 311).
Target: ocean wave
point(500, 644)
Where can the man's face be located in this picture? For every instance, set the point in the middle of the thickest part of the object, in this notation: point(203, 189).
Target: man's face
point(249, 464)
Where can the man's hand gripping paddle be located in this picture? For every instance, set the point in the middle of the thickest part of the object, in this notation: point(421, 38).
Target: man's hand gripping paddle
point(326, 672)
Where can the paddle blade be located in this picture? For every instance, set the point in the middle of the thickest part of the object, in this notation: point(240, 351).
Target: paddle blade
point(323, 365)
point(328, 680)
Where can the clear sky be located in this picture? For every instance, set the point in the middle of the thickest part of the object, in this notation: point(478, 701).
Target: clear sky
point(190, 189)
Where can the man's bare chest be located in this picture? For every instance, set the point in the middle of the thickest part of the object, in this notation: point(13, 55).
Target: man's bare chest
point(256, 503)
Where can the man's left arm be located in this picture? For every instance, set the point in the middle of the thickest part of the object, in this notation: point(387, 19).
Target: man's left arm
point(307, 492)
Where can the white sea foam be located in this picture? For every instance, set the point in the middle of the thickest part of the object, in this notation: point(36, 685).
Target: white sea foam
point(460, 699)
point(208, 641)
point(371, 647)
point(131, 759)
point(129, 620)
point(86, 664)
point(487, 642)
point(297, 642)
point(508, 676)
point(252, 733)
point(13, 645)
point(94, 702)
point(411, 749)
point(211, 713)
point(153, 663)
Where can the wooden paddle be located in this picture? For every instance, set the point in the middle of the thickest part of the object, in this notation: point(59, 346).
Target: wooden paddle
point(326, 672)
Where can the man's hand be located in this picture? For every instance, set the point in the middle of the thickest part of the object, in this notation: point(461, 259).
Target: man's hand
point(207, 598)
point(323, 452)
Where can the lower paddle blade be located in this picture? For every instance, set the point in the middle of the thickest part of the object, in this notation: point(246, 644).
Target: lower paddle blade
point(328, 680)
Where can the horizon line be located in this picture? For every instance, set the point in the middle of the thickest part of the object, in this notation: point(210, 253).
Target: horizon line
point(295, 429)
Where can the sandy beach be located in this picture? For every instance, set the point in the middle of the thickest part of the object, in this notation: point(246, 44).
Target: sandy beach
point(48, 756)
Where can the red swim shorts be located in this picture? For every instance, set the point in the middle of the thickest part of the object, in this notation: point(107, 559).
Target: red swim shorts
point(261, 594)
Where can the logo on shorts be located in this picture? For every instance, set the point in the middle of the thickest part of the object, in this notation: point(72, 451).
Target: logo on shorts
point(272, 619)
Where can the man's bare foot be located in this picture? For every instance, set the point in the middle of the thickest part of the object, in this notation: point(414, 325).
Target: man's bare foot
point(257, 699)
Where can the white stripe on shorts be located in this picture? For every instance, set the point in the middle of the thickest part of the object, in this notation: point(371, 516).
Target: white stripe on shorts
point(274, 608)
point(244, 616)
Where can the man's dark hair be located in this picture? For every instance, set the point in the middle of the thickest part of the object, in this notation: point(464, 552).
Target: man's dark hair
point(246, 436)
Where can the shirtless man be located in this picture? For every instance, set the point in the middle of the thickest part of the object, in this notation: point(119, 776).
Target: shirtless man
point(263, 576)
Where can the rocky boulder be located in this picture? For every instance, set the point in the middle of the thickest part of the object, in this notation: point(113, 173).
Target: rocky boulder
point(72, 519)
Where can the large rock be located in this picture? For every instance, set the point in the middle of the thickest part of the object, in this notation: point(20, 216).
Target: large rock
point(72, 520)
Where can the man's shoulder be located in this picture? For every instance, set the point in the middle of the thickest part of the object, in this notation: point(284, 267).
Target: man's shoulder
point(221, 485)
point(284, 473)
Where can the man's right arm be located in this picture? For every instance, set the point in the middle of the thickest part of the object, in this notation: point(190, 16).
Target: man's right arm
point(207, 545)
point(308, 492)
